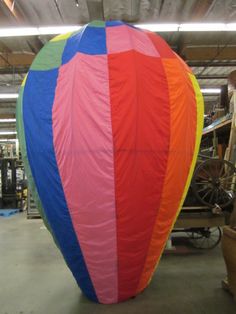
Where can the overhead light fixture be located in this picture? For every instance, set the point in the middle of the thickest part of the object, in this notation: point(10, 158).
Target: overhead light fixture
point(189, 27)
point(211, 90)
point(7, 132)
point(18, 31)
point(7, 120)
point(54, 30)
point(154, 27)
point(202, 27)
point(231, 27)
point(159, 27)
point(207, 27)
point(8, 96)
point(8, 140)
point(36, 31)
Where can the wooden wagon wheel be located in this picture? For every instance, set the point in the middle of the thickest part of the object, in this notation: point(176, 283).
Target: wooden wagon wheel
point(214, 182)
point(205, 238)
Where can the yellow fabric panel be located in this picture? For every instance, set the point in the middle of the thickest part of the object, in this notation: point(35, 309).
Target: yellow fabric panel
point(24, 80)
point(61, 37)
point(200, 109)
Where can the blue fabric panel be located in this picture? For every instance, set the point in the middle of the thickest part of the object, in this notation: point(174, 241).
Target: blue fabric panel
point(37, 114)
point(114, 23)
point(82, 42)
point(71, 47)
point(96, 46)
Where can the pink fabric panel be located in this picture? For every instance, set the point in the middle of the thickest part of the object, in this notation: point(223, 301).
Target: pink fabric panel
point(84, 151)
point(124, 38)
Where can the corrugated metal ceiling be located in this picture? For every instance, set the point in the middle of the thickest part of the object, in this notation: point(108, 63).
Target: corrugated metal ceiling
point(60, 12)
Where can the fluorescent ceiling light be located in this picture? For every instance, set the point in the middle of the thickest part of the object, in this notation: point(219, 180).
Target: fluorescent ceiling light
point(7, 132)
point(231, 27)
point(202, 27)
point(155, 27)
point(207, 27)
point(8, 140)
point(159, 27)
point(188, 27)
point(9, 96)
point(18, 31)
point(7, 120)
point(36, 31)
point(211, 90)
point(54, 30)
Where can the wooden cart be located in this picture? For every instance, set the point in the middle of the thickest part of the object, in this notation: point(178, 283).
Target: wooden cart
point(213, 186)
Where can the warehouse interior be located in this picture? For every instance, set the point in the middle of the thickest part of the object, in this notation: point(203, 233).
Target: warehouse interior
point(197, 272)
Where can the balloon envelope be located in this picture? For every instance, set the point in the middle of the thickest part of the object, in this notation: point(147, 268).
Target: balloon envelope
point(109, 120)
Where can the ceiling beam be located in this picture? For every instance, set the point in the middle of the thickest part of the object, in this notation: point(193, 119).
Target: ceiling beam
point(9, 111)
point(7, 106)
point(210, 53)
point(16, 59)
point(211, 77)
point(222, 63)
point(211, 96)
point(7, 116)
point(14, 70)
point(7, 136)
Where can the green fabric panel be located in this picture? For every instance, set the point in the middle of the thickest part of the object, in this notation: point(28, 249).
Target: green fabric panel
point(21, 138)
point(97, 24)
point(49, 57)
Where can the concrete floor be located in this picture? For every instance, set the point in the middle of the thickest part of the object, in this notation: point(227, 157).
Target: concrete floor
point(35, 280)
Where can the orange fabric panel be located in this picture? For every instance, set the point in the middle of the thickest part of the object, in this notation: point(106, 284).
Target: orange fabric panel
point(183, 117)
point(184, 65)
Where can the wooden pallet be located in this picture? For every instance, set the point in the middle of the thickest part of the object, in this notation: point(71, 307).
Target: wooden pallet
point(8, 212)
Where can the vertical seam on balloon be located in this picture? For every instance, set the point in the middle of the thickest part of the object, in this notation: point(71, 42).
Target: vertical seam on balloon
point(136, 83)
point(114, 168)
point(162, 185)
point(199, 126)
point(136, 98)
point(151, 42)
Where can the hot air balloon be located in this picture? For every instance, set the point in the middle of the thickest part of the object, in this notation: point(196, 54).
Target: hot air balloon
point(109, 120)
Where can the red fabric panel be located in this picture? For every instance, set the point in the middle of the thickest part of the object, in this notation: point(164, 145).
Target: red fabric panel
point(140, 123)
point(161, 46)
